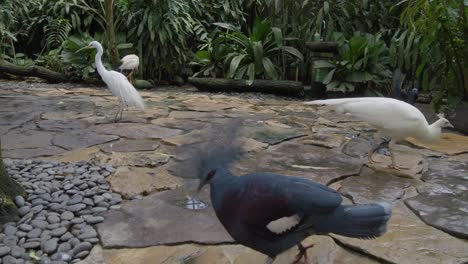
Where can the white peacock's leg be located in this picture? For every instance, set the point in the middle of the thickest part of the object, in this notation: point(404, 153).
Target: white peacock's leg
point(391, 145)
point(375, 146)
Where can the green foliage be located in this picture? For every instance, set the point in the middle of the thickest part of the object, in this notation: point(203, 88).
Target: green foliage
point(161, 30)
point(209, 60)
point(57, 32)
point(433, 46)
point(258, 54)
point(78, 63)
point(364, 62)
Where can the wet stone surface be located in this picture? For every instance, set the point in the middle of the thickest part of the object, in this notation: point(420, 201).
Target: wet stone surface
point(373, 185)
point(443, 199)
point(126, 179)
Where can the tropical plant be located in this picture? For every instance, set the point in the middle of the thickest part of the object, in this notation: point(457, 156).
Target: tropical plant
point(57, 32)
point(261, 53)
point(78, 63)
point(81, 64)
point(209, 60)
point(364, 63)
point(433, 46)
point(161, 30)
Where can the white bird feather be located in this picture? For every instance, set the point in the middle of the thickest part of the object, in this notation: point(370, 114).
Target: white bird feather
point(283, 224)
point(117, 82)
point(129, 62)
point(393, 118)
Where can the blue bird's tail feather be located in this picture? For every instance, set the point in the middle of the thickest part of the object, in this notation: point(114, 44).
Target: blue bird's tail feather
point(360, 221)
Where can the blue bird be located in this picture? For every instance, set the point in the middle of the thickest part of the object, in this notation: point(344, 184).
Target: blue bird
point(271, 213)
point(409, 95)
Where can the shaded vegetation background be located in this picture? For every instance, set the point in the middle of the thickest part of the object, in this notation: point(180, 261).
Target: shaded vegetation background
point(251, 39)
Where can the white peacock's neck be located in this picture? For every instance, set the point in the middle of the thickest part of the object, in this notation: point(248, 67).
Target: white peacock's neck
point(433, 131)
point(99, 66)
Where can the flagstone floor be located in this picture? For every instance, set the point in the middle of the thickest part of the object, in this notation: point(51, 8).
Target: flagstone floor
point(71, 123)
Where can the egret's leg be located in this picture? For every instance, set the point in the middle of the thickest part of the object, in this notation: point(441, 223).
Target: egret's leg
point(124, 106)
point(119, 111)
point(302, 253)
point(269, 260)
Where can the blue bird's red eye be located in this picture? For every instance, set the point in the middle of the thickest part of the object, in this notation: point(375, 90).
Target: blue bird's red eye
point(210, 174)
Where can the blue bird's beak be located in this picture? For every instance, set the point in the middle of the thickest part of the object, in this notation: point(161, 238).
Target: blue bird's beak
point(200, 186)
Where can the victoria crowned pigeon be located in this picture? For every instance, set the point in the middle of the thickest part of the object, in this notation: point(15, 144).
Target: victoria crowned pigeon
point(271, 213)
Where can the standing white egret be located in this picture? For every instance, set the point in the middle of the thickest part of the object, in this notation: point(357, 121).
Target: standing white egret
point(117, 83)
point(393, 118)
point(129, 63)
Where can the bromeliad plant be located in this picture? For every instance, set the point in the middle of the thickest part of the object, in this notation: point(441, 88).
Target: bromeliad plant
point(365, 63)
point(260, 54)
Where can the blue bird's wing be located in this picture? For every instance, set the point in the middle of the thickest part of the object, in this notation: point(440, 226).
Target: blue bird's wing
point(274, 204)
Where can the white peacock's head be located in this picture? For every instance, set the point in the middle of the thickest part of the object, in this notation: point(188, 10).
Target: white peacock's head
point(444, 122)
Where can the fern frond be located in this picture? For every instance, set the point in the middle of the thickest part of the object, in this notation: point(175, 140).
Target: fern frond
point(57, 32)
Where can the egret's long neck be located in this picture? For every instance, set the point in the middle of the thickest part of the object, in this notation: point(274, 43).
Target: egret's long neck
point(100, 67)
point(433, 131)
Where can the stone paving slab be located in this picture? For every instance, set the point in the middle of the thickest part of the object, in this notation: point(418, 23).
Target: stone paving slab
point(280, 135)
point(161, 219)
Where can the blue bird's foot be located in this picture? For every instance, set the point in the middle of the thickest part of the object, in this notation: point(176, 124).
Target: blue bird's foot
point(269, 260)
point(302, 253)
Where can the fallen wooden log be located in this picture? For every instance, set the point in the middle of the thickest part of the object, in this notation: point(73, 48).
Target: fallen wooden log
point(283, 87)
point(34, 71)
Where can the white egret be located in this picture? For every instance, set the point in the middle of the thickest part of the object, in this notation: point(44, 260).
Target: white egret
point(129, 63)
point(117, 83)
point(393, 118)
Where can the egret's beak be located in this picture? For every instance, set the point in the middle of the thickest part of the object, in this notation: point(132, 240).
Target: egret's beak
point(83, 48)
point(450, 125)
point(200, 186)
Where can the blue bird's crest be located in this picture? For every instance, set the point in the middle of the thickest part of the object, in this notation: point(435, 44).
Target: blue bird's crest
point(220, 148)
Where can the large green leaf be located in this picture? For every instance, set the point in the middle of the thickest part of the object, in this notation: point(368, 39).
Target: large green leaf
point(227, 26)
point(329, 76)
point(359, 77)
point(251, 73)
point(202, 54)
point(278, 35)
point(258, 55)
point(294, 52)
point(124, 45)
point(323, 64)
point(235, 64)
point(270, 69)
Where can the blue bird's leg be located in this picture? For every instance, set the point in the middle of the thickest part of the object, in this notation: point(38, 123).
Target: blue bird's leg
point(302, 253)
point(269, 260)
